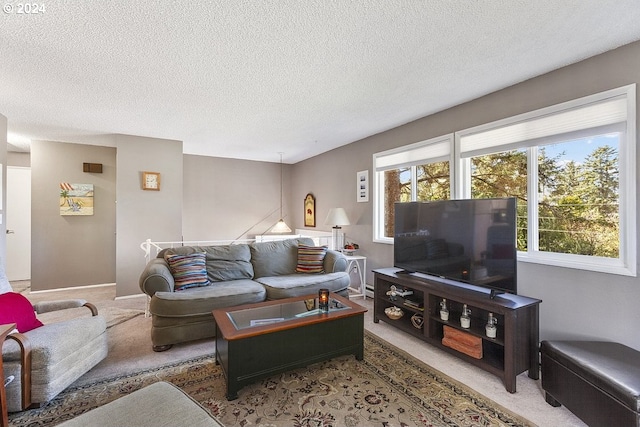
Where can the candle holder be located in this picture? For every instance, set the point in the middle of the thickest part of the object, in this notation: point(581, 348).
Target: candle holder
point(323, 299)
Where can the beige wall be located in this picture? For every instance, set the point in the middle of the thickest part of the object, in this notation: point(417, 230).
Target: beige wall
point(227, 199)
point(145, 214)
point(576, 304)
point(69, 251)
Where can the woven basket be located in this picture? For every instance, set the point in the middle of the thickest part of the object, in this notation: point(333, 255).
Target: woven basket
point(393, 313)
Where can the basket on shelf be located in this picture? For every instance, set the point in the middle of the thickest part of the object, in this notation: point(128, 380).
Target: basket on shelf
point(393, 313)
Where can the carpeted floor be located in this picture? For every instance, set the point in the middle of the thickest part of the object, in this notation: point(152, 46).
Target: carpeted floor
point(130, 352)
point(388, 388)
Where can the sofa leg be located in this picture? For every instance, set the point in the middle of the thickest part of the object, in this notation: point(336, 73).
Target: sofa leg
point(550, 400)
point(159, 348)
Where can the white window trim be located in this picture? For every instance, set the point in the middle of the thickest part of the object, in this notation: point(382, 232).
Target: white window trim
point(427, 151)
point(626, 264)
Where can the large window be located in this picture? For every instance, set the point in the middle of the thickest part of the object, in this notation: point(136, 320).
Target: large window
point(571, 168)
point(418, 172)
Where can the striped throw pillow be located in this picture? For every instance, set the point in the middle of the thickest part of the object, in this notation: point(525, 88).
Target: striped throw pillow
point(311, 259)
point(188, 271)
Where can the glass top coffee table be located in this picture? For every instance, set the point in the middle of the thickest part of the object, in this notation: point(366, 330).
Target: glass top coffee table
point(256, 341)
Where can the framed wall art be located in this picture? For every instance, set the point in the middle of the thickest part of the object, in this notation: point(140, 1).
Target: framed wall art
point(309, 211)
point(76, 199)
point(362, 183)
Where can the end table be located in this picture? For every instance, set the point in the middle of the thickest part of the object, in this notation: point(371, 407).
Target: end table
point(360, 263)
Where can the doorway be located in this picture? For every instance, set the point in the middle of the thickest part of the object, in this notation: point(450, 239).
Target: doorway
point(18, 214)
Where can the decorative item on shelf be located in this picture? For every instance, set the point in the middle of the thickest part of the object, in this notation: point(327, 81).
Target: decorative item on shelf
point(444, 311)
point(414, 304)
point(465, 320)
point(394, 313)
point(323, 299)
point(337, 217)
point(392, 292)
point(350, 248)
point(417, 321)
point(491, 326)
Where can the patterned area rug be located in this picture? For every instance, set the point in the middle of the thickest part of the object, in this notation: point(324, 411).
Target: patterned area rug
point(388, 388)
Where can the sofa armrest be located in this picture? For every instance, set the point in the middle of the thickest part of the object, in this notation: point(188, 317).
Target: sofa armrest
point(156, 277)
point(334, 262)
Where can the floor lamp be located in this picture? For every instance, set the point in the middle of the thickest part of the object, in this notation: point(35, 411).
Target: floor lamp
point(337, 217)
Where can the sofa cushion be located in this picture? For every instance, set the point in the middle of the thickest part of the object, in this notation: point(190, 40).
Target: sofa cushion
point(16, 308)
point(276, 258)
point(294, 285)
point(188, 271)
point(202, 301)
point(311, 259)
point(224, 262)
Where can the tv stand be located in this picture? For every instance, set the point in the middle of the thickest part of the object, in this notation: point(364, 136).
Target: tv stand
point(513, 350)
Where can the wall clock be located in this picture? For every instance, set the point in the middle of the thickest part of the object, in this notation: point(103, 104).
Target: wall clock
point(309, 211)
point(151, 181)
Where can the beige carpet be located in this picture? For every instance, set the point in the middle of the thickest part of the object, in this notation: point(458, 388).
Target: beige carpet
point(130, 351)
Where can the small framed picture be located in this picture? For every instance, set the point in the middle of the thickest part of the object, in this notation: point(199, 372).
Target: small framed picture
point(362, 189)
point(309, 211)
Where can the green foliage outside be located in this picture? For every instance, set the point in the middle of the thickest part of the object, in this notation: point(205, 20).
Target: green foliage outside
point(578, 202)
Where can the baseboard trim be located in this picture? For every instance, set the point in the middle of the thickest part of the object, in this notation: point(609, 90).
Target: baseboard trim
point(71, 288)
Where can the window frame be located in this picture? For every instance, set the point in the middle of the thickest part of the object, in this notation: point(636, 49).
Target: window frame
point(625, 264)
point(460, 179)
point(419, 153)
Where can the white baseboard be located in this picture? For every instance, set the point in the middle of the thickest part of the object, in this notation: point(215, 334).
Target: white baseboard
point(72, 288)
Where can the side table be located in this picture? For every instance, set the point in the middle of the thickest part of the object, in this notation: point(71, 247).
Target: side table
point(360, 264)
point(4, 419)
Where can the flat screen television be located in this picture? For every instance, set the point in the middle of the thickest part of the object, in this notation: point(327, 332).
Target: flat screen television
point(471, 241)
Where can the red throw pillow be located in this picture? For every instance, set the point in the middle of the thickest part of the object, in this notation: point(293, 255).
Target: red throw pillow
point(15, 308)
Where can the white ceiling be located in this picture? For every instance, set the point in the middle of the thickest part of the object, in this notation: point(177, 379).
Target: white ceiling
point(250, 78)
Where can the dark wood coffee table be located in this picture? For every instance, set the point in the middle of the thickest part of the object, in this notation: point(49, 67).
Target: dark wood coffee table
point(256, 341)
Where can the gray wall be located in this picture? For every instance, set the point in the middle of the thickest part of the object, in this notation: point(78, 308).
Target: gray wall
point(145, 214)
point(69, 251)
point(576, 304)
point(227, 199)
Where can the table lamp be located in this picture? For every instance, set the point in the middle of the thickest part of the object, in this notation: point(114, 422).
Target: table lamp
point(337, 217)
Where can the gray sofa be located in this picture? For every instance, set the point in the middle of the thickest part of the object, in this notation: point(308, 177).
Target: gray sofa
point(239, 274)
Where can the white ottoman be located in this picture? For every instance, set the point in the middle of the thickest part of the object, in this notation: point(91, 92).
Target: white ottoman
point(159, 405)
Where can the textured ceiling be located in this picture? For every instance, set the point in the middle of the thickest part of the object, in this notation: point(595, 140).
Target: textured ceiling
point(248, 79)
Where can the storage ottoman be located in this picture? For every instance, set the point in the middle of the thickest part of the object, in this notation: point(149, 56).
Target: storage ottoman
point(598, 381)
point(158, 405)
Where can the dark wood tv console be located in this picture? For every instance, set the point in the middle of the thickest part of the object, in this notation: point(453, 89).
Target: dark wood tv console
point(513, 351)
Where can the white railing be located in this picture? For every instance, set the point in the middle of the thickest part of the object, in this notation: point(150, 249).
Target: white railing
point(152, 248)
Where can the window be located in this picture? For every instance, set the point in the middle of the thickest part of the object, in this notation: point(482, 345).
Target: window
point(571, 167)
point(417, 172)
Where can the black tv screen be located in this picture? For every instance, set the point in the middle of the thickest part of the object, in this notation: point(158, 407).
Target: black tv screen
point(472, 241)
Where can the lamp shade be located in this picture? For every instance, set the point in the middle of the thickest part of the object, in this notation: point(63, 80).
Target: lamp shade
point(337, 216)
point(280, 227)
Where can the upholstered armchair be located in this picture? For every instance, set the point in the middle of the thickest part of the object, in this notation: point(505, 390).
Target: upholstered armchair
point(43, 361)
